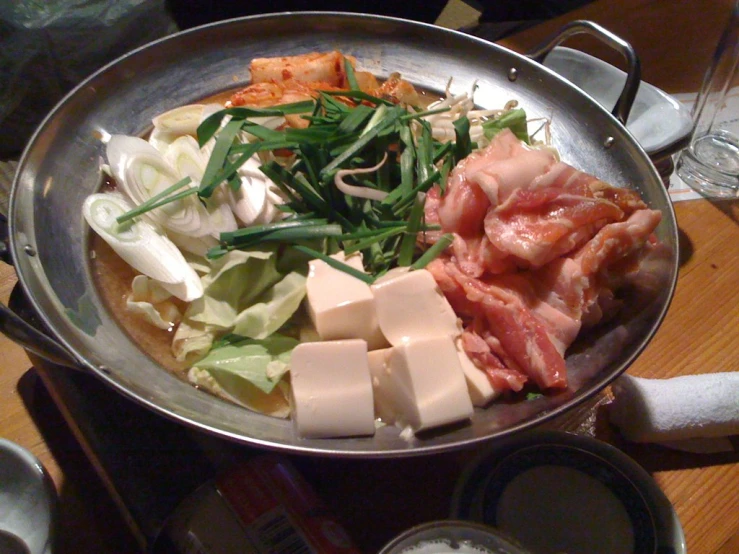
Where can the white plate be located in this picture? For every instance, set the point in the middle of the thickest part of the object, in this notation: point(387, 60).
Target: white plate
point(559, 492)
point(660, 123)
point(27, 501)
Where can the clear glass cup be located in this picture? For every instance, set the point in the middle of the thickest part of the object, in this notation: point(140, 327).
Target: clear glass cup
point(710, 164)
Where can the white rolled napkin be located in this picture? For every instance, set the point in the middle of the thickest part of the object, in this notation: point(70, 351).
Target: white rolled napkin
point(696, 413)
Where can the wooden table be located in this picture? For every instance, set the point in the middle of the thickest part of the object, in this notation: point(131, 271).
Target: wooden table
point(674, 40)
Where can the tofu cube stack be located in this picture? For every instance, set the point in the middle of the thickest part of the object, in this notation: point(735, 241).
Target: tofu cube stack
point(388, 350)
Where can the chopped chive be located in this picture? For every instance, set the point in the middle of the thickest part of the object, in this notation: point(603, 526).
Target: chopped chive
point(269, 227)
point(351, 78)
point(443, 151)
point(310, 134)
point(296, 183)
point(292, 234)
point(261, 132)
point(462, 144)
point(339, 135)
point(218, 157)
point(364, 233)
point(336, 264)
point(333, 106)
point(371, 240)
point(360, 143)
point(424, 152)
point(406, 201)
point(432, 253)
point(422, 114)
point(380, 113)
point(408, 244)
point(354, 120)
point(217, 252)
point(514, 119)
point(212, 123)
point(158, 200)
point(359, 95)
point(446, 168)
point(407, 159)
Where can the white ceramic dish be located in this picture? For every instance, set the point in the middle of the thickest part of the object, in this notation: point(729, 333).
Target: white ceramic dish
point(559, 492)
point(660, 123)
point(27, 502)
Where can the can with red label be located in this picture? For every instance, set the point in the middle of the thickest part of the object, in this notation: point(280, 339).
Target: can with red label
point(261, 506)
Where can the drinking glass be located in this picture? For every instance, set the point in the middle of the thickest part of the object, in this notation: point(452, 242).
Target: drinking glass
point(710, 164)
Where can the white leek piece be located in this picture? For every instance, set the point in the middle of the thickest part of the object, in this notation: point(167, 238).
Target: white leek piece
point(142, 172)
point(250, 200)
point(222, 219)
point(271, 212)
point(171, 125)
point(141, 247)
point(188, 160)
point(183, 120)
point(161, 140)
point(194, 245)
point(210, 109)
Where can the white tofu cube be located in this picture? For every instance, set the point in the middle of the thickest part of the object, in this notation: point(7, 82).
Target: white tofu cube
point(426, 385)
point(411, 306)
point(340, 305)
point(382, 385)
point(332, 389)
point(479, 386)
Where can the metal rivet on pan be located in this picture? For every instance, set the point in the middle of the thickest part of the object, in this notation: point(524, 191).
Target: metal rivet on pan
point(30, 250)
point(609, 142)
point(512, 74)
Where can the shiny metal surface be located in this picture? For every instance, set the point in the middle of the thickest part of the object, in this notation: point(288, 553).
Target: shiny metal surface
point(61, 167)
point(633, 75)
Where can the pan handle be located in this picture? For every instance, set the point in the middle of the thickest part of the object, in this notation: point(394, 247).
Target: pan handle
point(18, 329)
point(33, 340)
point(633, 74)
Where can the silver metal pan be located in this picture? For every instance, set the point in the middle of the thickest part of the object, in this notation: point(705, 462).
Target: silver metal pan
point(49, 241)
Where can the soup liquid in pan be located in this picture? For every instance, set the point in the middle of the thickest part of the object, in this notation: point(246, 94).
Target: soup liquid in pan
point(113, 278)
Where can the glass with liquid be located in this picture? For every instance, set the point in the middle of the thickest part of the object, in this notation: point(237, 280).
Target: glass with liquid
point(710, 165)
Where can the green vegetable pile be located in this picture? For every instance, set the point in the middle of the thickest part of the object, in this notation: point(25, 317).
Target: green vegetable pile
point(340, 137)
point(349, 132)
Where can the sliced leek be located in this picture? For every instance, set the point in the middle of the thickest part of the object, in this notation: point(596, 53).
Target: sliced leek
point(142, 172)
point(141, 246)
point(183, 120)
point(188, 160)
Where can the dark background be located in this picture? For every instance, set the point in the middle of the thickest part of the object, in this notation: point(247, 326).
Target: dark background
point(46, 49)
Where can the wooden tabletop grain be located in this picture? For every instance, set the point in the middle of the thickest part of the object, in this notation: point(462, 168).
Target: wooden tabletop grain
point(700, 334)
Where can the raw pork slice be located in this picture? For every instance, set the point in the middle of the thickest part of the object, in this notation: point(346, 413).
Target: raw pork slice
point(539, 249)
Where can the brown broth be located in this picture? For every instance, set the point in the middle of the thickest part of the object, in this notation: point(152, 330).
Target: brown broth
point(113, 279)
